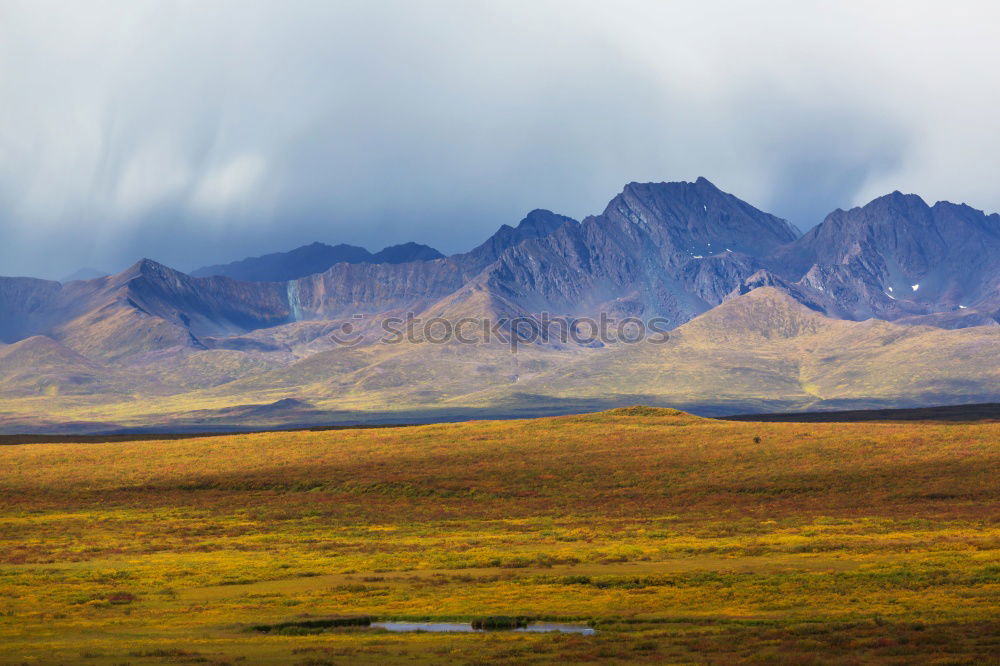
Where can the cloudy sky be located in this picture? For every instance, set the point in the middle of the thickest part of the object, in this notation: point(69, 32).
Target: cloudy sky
point(205, 131)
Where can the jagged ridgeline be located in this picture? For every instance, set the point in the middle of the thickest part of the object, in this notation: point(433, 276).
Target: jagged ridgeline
point(894, 303)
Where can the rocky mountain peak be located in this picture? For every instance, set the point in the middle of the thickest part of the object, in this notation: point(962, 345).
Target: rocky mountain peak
point(695, 219)
point(142, 268)
point(405, 252)
point(541, 222)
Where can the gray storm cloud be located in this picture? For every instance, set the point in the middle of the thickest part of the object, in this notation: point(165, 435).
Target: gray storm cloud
point(195, 132)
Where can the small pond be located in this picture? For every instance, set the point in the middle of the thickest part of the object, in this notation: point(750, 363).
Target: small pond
point(466, 627)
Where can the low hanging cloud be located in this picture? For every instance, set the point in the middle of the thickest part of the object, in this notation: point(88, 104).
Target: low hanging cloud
point(196, 133)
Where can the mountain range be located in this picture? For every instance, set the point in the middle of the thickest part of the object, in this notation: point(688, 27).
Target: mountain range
point(895, 303)
point(314, 258)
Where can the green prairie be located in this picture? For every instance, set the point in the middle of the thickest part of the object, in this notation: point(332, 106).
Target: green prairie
point(679, 539)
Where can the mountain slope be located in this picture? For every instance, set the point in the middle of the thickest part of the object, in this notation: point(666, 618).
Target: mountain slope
point(150, 306)
point(539, 223)
point(146, 307)
point(312, 259)
point(762, 320)
point(24, 306)
point(205, 306)
point(348, 289)
point(763, 349)
point(672, 250)
point(283, 266)
point(898, 257)
point(41, 366)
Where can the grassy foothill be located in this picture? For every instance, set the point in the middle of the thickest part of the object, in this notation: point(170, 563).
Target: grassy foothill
point(679, 539)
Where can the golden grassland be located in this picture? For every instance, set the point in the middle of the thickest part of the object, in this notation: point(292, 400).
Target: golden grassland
point(681, 539)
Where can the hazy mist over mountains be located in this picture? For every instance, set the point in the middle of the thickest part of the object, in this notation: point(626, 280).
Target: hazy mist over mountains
point(201, 136)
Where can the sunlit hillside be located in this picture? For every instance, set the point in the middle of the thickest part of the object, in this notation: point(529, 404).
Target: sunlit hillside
point(761, 351)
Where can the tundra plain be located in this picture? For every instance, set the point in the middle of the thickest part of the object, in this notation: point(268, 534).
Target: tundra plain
point(679, 539)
